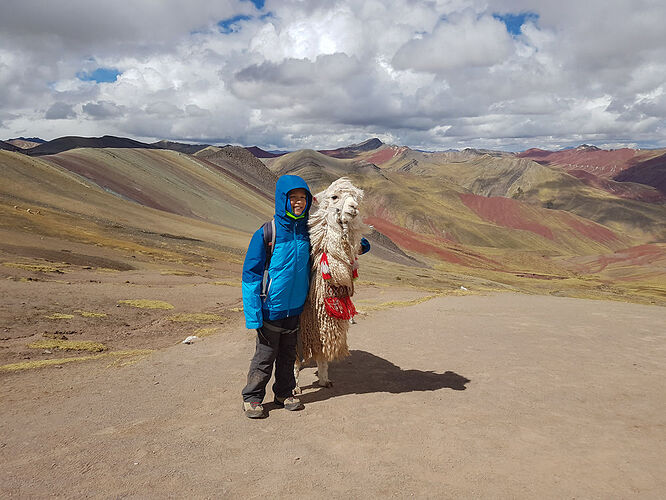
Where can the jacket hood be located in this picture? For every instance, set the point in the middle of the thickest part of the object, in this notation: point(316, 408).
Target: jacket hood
point(282, 206)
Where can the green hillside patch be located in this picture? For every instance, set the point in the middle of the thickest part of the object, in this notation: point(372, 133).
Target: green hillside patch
point(68, 345)
point(196, 318)
point(146, 304)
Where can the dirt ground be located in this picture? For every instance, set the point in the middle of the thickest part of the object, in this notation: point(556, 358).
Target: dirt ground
point(499, 396)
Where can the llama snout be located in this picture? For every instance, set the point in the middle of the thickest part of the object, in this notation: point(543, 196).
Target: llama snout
point(349, 209)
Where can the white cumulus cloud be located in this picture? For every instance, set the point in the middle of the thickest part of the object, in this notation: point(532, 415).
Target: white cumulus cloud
point(431, 74)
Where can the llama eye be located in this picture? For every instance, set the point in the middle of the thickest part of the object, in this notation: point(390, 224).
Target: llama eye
point(334, 197)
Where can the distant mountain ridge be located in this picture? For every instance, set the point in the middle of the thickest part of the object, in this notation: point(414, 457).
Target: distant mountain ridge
point(8, 146)
point(627, 173)
point(189, 149)
point(62, 144)
point(599, 166)
point(494, 214)
point(26, 142)
point(39, 147)
point(354, 149)
point(260, 153)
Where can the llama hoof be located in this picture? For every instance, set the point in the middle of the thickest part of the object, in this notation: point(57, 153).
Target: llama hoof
point(328, 383)
point(297, 390)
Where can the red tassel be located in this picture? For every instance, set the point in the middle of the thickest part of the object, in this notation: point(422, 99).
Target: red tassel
point(325, 270)
point(340, 307)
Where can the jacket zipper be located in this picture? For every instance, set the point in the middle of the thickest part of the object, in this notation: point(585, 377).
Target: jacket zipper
point(291, 290)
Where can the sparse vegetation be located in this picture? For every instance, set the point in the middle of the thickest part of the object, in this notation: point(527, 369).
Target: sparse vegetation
point(196, 318)
point(146, 304)
point(128, 356)
point(176, 273)
point(68, 345)
point(228, 283)
point(399, 303)
point(60, 316)
point(206, 332)
point(88, 314)
point(40, 268)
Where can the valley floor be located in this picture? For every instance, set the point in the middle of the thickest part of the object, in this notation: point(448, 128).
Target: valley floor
point(475, 396)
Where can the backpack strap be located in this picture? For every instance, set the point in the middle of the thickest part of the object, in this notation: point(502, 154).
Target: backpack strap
point(269, 244)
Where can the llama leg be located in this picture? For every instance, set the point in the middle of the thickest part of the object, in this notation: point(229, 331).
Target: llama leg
point(322, 371)
point(297, 371)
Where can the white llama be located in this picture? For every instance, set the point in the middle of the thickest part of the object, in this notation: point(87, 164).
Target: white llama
point(335, 238)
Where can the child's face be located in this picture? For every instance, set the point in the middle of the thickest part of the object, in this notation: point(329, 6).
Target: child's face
point(298, 198)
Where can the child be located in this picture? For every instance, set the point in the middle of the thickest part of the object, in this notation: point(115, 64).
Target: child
point(276, 316)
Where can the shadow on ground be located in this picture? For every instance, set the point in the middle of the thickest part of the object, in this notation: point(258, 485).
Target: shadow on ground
point(363, 373)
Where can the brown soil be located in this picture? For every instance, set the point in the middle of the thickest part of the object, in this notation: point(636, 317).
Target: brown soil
point(508, 396)
point(600, 162)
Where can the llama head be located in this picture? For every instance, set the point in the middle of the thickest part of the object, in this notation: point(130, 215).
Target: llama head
point(338, 210)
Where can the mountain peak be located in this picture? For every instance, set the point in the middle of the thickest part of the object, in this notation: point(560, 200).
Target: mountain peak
point(587, 147)
point(368, 145)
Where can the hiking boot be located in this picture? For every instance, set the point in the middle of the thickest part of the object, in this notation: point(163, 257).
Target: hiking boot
point(252, 409)
point(290, 403)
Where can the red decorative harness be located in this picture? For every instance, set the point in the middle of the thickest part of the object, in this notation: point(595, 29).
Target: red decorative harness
point(338, 302)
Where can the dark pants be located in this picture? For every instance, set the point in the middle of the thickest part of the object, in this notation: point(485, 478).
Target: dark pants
point(276, 343)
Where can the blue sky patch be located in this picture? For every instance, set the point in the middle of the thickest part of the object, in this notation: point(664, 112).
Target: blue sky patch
point(100, 75)
point(259, 4)
point(230, 25)
point(513, 22)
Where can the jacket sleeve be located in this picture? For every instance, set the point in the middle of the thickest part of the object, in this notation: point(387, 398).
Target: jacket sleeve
point(365, 246)
point(253, 273)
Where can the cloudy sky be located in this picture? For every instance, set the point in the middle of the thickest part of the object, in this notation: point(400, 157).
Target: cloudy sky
point(291, 74)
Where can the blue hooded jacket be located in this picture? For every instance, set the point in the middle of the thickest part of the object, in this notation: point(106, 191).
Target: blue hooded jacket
point(289, 271)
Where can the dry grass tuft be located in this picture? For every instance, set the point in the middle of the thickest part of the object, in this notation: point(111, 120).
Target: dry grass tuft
point(174, 272)
point(60, 316)
point(147, 304)
point(196, 318)
point(88, 314)
point(128, 356)
point(40, 268)
point(400, 303)
point(68, 345)
point(205, 332)
point(228, 283)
